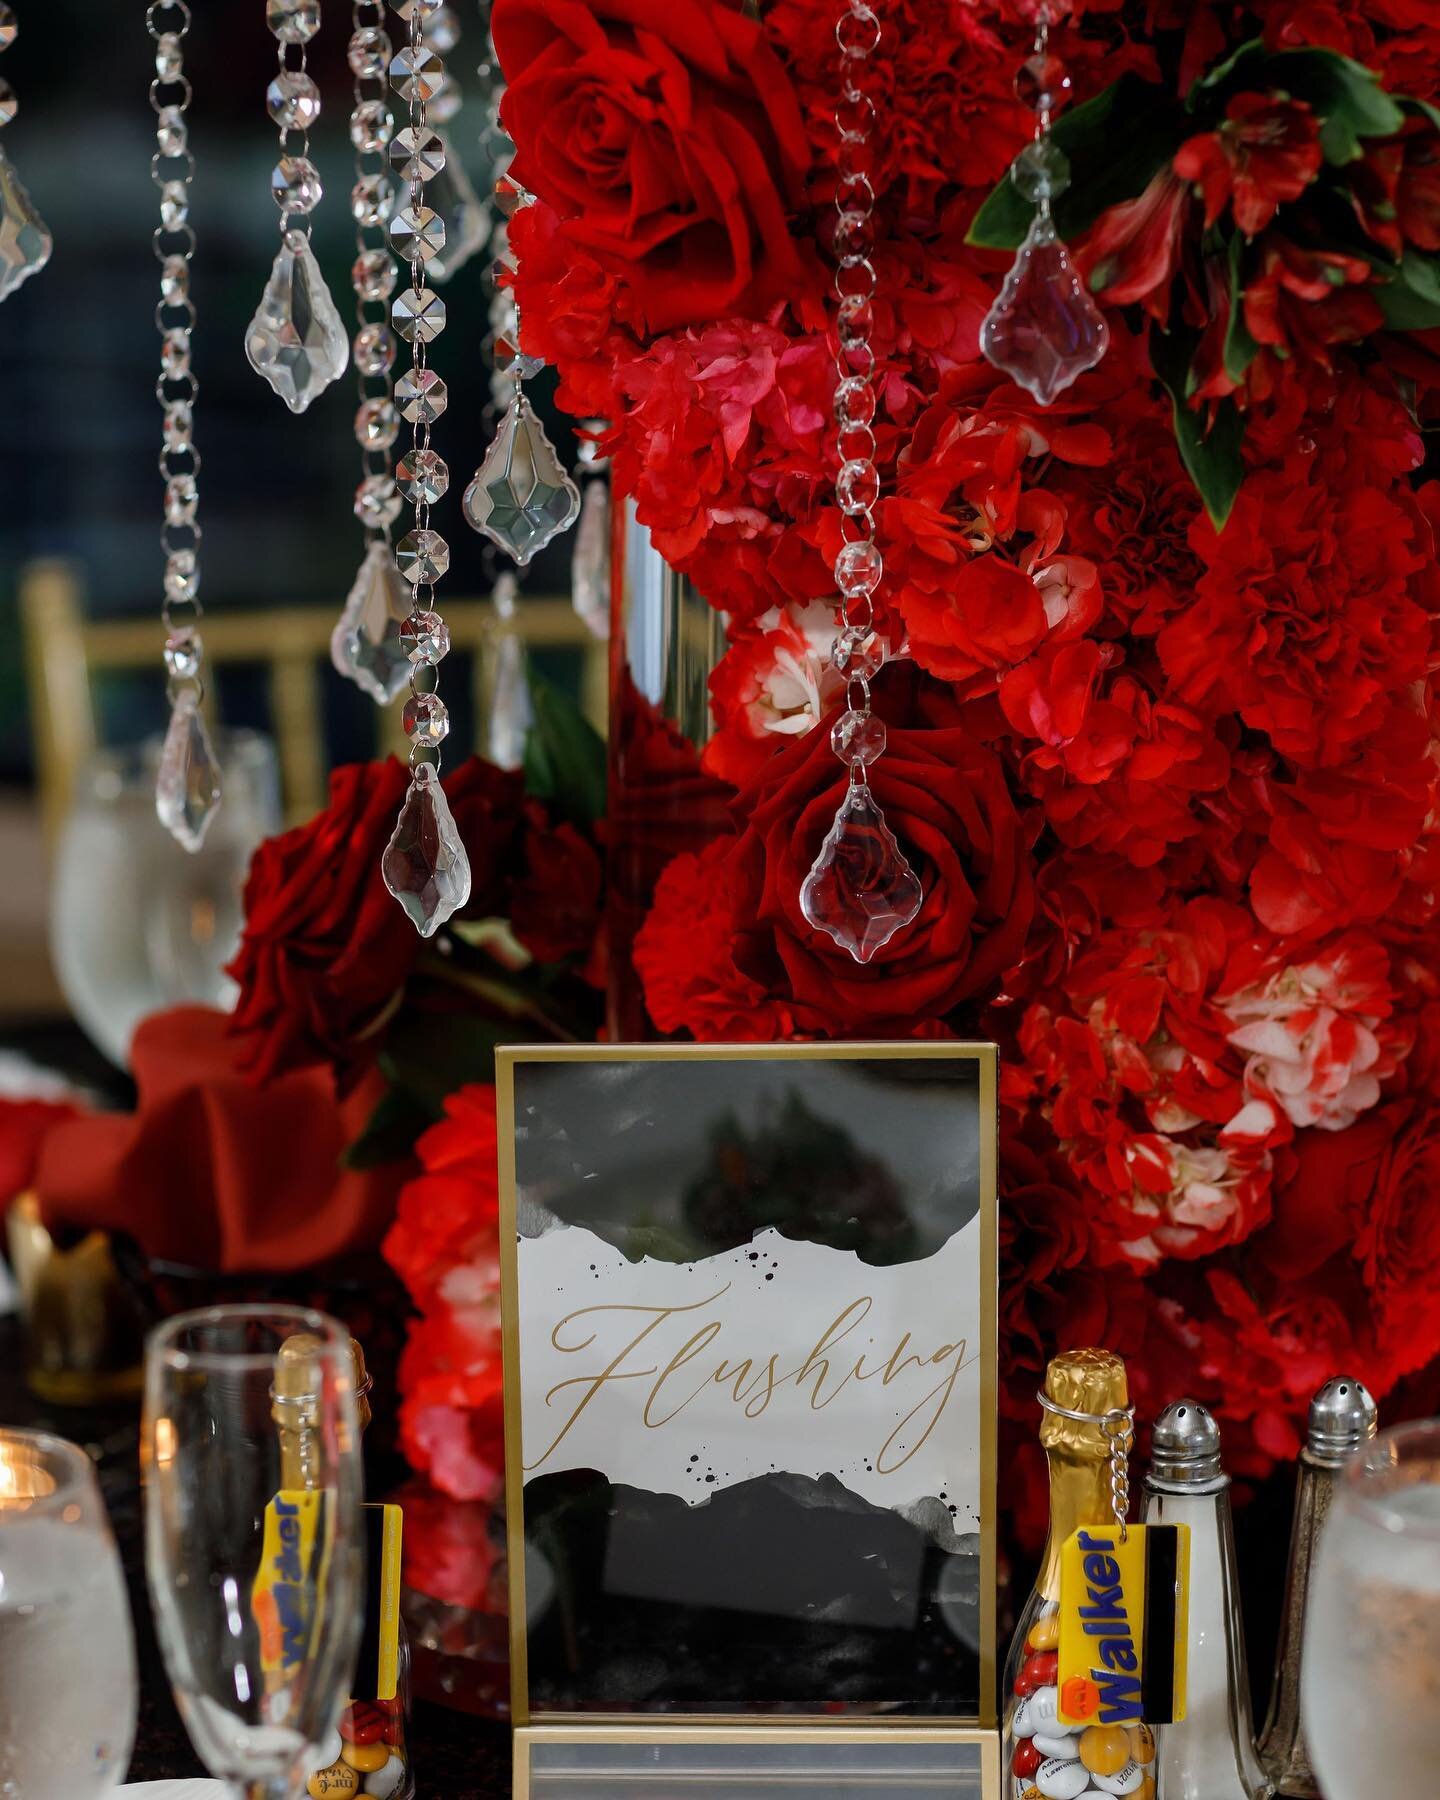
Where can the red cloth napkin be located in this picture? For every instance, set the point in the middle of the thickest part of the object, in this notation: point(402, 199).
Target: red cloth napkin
point(215, 1171)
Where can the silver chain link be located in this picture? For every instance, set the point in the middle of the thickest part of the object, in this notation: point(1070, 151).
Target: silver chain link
point(172, 168)
point(1118, 1426)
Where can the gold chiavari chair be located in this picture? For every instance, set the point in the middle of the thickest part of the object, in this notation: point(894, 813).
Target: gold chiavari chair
point(65, 652)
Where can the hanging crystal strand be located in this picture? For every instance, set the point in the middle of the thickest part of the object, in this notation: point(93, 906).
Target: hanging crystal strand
point(296, 341)
point(860, 889)
point(25, 241)
point(507, 725)
point(520, 497)
point(365, 645)
point(1044, 329)
point(466, 220)
point(424, 865)
point(187, 790)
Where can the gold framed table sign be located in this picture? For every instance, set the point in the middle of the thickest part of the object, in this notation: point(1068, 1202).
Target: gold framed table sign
point(749, 1300)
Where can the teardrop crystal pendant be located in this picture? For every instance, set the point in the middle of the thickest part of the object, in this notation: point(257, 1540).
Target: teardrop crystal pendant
point(521, 496)
point(590, 565)
point(1044, 329)
point(860, 888)
point(25, 242)
point(467, 223)
point(365, 645)
point(297, 340)
point(425, 865)
point(187, 790)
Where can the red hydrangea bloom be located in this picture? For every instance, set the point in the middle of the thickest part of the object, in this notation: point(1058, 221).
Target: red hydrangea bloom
point(1265, 151)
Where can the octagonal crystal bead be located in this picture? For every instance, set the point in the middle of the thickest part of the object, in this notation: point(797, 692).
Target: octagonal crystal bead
point(295, 183)
point(368, 53)
point(374, 350)
point(858, 653)
point(422, 476)
point(9, 28)
point(417, 153)
point(417, 73)
point(858, 737)
point(422, 556)
point(417, 232)
point(372, 200)
point(418, 317)
point(425, 639)
point(377, 503)
point(293, 100)
point(293, 21)
point(370, 126)
point(426, 720)
point(372, 275)
point(377, 424)
point(421, 396)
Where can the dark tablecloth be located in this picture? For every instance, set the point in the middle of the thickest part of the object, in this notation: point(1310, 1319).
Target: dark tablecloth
point(457, 1756)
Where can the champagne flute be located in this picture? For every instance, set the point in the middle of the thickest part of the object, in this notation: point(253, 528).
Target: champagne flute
point(1371, 1670)
point(67, 1658)
point(251, 1461)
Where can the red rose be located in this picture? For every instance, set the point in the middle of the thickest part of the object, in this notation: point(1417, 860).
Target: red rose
point(555, 904)
point(326, 944)
point(669, 140)
point(944, 797)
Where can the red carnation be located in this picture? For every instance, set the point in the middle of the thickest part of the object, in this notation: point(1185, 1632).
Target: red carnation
point(1265, 151)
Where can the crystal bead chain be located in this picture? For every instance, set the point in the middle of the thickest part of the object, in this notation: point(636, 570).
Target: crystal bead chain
point(372, 274)
point(365, 645)
point(293, 102)
point(296, 340)
point(424, 865)
point(25, 241)
point(1044, 328)
point(859, 651)
point(188, 789)
point(860, 889)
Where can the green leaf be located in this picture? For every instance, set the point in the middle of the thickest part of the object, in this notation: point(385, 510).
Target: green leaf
point(391, 1130)
point(431, 1055)
point(1411, 301)
point(1347, 97)
point(1212, 458)
point(1131, 114)
point(1240, 348)
point(564, 754)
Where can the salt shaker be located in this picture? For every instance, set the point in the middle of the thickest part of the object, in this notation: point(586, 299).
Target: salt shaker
point(1342, 1417)
point(1209, 1754)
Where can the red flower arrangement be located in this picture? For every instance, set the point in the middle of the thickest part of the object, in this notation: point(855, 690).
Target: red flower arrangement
point(1163, 748)
point(1164, 753)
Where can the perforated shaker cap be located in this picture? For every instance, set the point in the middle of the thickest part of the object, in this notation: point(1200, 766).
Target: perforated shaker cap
point(1185, 1447)
point(1342, 1417)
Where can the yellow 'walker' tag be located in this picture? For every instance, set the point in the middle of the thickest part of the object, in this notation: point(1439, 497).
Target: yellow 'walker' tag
point(287, 1595)
point(1124, 1615)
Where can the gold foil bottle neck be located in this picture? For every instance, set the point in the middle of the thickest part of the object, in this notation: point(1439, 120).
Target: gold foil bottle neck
point(363, 1382)
point(1087, 1381)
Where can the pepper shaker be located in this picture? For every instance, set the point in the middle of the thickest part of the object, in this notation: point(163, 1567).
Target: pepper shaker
point(1342, 1417)
point(1210, 1753)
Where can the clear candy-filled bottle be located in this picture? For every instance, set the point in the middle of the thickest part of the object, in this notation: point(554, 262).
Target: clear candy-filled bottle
point(1043, 1759)
point(369, 1753)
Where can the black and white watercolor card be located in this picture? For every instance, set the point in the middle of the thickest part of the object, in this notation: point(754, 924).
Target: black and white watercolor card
point(750, 1321)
